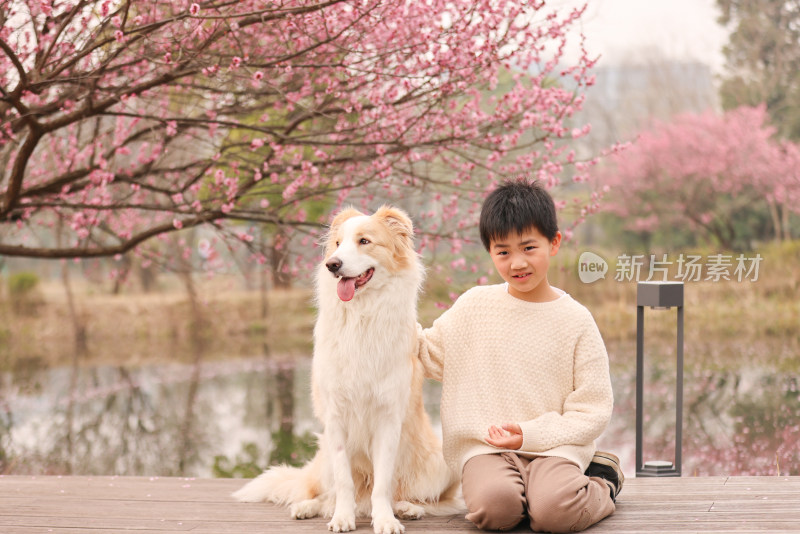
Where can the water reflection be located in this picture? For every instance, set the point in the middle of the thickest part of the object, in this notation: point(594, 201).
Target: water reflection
point(742, 422)
point(233, 418)
point(161, 419)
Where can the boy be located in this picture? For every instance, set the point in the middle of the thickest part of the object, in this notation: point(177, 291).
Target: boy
point(526, 356)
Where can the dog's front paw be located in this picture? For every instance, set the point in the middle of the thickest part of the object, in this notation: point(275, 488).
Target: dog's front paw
point(305, 509)
point(342, 523)
point(389, 525)
point(407, 510)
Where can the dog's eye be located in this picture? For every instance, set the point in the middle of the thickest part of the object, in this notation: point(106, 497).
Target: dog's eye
point(364, 241)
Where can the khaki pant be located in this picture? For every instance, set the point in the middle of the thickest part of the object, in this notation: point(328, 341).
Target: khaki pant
point(501, 489)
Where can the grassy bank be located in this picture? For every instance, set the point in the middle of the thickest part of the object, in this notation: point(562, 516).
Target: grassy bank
point(727, 322)
point(132, 328)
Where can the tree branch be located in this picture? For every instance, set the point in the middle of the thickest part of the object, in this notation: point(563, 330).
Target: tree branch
point(23, 76)
point(11, 196)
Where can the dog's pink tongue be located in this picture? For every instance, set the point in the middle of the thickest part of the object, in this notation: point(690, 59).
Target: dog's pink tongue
point(346, 288)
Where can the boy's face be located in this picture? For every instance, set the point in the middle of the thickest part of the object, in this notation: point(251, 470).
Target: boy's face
point(522, 260)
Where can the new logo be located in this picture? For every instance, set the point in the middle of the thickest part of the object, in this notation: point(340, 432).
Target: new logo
point(591, 267)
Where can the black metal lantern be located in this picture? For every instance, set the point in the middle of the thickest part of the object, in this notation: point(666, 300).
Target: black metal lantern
point(658, 295)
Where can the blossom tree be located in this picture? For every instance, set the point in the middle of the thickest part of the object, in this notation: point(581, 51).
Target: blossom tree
point(123, 120)
point(762, 59)
point(702, 171)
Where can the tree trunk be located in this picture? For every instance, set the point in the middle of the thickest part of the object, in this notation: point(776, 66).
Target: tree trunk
point(80, 348)
point(77, 318)
point(279, 257)
point(187, 448)
point(787, 229)
point(125, 266)
point(776, 220)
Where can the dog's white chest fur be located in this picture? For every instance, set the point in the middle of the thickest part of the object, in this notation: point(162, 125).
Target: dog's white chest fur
point(362, 359)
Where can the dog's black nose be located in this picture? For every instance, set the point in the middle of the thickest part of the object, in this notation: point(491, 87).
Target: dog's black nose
point(333, 264)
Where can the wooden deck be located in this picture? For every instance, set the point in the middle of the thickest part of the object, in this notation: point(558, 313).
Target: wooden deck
point(100, 505)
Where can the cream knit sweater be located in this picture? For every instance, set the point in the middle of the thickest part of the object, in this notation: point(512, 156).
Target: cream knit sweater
point(501, 360)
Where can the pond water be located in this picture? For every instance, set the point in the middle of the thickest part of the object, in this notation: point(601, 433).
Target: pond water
point(234, 417)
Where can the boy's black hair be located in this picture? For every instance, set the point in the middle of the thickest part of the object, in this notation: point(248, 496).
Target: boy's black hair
point(517, 206)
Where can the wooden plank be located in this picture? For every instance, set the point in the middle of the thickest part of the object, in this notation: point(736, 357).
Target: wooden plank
point(62, 522)
point(762, 481)
point(142, 488)
point(164, 511)
point(153, 505)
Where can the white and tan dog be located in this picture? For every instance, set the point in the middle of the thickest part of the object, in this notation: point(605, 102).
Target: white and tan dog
point(378, 450)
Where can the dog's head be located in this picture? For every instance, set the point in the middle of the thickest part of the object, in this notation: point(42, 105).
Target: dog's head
point(363, 248)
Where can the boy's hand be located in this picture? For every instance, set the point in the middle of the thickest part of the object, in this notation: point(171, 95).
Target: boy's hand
point(508, 437)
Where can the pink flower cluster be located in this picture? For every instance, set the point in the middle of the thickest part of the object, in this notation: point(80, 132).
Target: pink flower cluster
point(258, 112)
point(681, 172)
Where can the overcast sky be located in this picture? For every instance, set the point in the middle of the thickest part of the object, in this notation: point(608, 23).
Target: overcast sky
point(622, 30)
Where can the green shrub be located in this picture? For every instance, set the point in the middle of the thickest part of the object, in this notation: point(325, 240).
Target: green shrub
point(22, 292)
point(21, 285)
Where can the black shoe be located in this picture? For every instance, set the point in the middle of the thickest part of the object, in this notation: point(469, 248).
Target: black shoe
point(606, 466)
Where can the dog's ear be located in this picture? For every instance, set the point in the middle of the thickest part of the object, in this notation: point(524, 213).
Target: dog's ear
point(397, 220)
point(399, 224)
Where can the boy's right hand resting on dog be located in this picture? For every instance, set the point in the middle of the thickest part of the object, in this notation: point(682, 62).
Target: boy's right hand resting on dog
point(507, 437)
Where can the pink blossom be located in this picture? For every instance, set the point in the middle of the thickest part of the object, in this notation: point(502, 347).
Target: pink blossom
point(177, 223)
point(365, 103)
point(732, 153)
point(459, 263)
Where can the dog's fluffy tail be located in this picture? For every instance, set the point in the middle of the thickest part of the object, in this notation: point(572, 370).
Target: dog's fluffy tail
point(450, 506)
point(281, 485)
